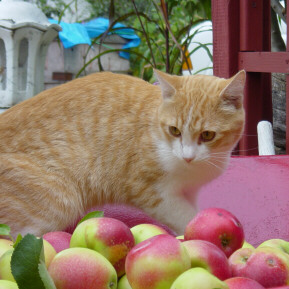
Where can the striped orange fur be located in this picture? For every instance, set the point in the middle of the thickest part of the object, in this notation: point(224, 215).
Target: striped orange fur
point(107, 138)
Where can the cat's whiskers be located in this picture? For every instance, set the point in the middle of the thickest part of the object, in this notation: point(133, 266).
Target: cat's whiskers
point(210, 160)
point(214, 164)
point(223, 154)
point(244, 150)
point(220, 157)
point(222, 162)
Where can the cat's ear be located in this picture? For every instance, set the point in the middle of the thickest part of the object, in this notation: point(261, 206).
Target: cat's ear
point(165, 80)
point(232, 94)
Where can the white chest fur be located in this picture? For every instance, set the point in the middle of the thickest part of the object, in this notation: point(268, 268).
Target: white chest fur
point(181, 182)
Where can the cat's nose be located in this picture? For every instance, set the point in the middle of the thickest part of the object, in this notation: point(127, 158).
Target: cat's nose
point(188, 160)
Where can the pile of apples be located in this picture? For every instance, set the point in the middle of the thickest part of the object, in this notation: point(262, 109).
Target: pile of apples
point(104, 253)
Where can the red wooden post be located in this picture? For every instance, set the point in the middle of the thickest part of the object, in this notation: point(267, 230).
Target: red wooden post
point(287, 92)
point(225, 19)
point(241, 39)
point(226, 36)
point(255, 36)
point(251, 25)
point(287, 114)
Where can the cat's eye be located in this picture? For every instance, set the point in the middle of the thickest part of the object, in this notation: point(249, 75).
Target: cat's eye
point(207, 135)
point(174, 131)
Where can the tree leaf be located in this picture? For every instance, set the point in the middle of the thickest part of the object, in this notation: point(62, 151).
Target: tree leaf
point(24, 262)
point(18, 239)
point(204, 46)
point(4, 230)
point(106, 52)
point(45, 277)
point(94, 214)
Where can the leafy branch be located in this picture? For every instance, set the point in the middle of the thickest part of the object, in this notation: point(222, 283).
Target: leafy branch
point(162, 25)
point(145, 33)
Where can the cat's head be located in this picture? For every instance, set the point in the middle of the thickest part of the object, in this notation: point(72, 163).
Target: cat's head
point(201, 116)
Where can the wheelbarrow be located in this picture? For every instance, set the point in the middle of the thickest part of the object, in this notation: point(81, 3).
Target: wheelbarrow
point(256, 190)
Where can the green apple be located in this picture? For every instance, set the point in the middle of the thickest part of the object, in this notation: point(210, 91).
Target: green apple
point(5, 245)
point(143, 232)
point(77, 268)
point(181, 238)
point(276, 243)
point(123, 283)
point(5, 284)
point(107, 236)
point(247, 245)
point(49, 252)
point(198, 278)
point(5, 268)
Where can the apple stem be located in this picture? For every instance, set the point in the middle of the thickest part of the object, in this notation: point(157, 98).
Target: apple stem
point(225, 242)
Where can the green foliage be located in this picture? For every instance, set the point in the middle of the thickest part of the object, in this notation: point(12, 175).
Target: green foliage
point(57, 9)
point(45, 277)
point(28, 265)
point(117, 8)
point(162, 25)
point(18, 239)
point(4, 230)
point(167, 36)
point(94, 214)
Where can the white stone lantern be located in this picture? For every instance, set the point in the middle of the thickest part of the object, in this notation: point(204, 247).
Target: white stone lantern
point(25, 34)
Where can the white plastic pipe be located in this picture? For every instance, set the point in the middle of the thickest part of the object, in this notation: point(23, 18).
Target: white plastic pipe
point(265, 138)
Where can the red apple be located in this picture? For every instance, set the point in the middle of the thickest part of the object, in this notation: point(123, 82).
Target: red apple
point(82, 268)
point(108, 236)
point(208, 256)
point(58, 239)
point(217, 226)
point(280, 287)
point(239, 258)
point(268, 266)
point(243, 283)
point(156, 262)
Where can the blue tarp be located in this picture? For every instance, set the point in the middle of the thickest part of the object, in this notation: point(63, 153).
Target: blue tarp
point(82, 33)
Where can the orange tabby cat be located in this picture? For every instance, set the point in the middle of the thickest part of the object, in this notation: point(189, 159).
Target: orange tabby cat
point(110, 138)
